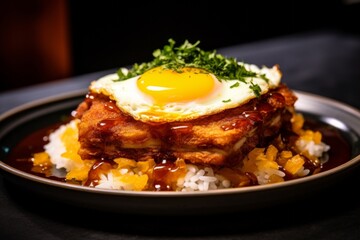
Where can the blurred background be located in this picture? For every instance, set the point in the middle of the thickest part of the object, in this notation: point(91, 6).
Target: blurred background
point(43, 41)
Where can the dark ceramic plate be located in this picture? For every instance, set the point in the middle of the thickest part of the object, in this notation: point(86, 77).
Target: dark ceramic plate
point(21, 121)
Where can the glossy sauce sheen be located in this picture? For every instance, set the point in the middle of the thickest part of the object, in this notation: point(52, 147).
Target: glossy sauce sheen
point(20, 155)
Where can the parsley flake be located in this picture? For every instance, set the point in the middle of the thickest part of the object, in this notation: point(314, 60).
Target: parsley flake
point(190, 55)
point(235, 85)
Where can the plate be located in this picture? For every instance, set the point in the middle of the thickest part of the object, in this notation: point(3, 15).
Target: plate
point(23, 120)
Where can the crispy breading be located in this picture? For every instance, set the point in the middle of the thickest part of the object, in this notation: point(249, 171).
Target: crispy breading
point(220, 139)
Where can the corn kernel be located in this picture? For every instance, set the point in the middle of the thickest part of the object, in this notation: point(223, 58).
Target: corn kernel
point(294, 164)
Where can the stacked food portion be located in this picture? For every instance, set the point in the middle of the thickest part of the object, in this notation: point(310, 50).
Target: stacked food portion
point(189, 120)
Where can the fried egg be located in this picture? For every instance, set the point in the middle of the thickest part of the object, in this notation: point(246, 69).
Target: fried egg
point(166, 95)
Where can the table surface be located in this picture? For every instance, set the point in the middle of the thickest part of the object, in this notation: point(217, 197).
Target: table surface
point(325, 63)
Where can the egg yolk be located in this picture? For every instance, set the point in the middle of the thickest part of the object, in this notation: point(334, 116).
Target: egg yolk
point(168, 85)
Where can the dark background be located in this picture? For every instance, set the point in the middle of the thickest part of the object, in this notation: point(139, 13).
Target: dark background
point(44, 41)
point(112, 35)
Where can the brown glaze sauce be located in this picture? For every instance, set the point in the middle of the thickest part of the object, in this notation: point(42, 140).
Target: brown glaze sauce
point(246, 118)
point(20, 155)
point(340, 149)
point(164, 170)
point(95, 171)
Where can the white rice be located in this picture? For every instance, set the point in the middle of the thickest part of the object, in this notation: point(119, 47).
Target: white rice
point(302, 172)
point(197, 178)
point(109, 182)
point(55, 148)
point(263, 175)
point(314, 149)
point(201, 179)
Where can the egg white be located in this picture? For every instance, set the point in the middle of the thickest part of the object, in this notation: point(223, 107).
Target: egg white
point(141, 107)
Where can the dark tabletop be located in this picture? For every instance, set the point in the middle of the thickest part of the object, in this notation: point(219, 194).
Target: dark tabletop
point(323, 63)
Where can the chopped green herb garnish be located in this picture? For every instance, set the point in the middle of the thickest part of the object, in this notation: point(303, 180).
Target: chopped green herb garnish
point(226, 101)
point(256, 89)
point(190, 55)
point(235, 85)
